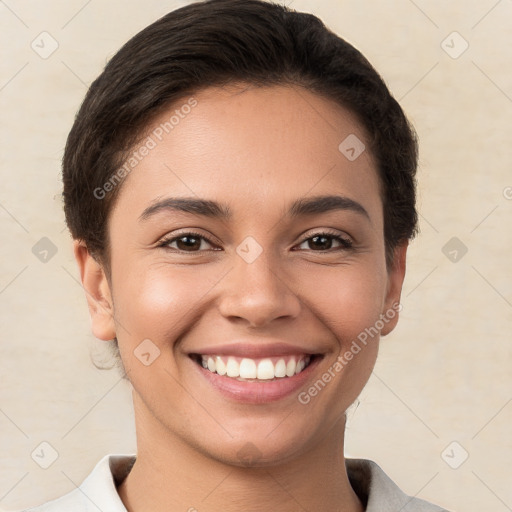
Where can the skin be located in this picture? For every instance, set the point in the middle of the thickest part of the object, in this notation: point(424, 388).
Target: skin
point(256, 150)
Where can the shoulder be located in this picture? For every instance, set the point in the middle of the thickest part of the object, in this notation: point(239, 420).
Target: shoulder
point(379, 492)
point(97, 492)
point(69, 502)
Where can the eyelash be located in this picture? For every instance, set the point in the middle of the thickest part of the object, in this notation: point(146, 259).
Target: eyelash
point(346, 244)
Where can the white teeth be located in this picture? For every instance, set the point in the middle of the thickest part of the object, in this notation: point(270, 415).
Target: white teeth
point(280, 369)
point(290, 368)
point(232, 368)
point(220, 366)
point(248, 369)
point(264, 369)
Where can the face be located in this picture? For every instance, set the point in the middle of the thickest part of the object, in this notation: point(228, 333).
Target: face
point(246, 236)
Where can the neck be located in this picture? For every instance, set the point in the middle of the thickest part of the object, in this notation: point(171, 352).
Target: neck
point(170, 475)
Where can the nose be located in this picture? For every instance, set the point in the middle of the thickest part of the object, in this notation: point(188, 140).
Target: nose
point(258, 293)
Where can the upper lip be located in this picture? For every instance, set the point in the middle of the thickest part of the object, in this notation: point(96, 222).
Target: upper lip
point(255, 350)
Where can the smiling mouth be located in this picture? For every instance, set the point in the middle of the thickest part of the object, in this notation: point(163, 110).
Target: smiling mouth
point(249, 369)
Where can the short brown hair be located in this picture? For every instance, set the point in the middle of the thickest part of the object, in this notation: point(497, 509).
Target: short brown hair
point(213, 43)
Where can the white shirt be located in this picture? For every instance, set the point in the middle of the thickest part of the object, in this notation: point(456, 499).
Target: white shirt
point(98, 491)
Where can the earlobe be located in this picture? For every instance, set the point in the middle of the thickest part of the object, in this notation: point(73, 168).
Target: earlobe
point(97, 292)
point(396, 275)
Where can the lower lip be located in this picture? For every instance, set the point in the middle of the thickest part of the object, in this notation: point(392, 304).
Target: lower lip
point(254, 392)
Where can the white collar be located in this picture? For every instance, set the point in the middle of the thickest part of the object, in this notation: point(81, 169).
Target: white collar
point(98, 491)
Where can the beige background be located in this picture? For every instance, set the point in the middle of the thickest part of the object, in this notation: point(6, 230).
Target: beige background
point(444, 375)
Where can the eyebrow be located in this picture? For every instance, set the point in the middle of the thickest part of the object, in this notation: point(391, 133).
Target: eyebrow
point(322, 204)
point(212, 209)
point(192, 205)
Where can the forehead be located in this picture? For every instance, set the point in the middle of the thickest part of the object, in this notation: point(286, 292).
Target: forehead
point(252, 145)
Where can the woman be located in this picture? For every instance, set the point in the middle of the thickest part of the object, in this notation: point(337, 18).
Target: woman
point(240, 187)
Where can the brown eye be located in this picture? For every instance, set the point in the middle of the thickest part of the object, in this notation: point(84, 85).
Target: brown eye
point(324, 242)
point(187, 242)
point(321, 242)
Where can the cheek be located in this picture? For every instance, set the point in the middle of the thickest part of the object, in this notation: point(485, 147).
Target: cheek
point(156, 301)
point(349, 305)
point(347, 299)
point(155, 304)
point(349, 302)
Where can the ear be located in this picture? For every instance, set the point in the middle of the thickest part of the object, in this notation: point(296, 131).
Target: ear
point(97, 292)
point(396, 274)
